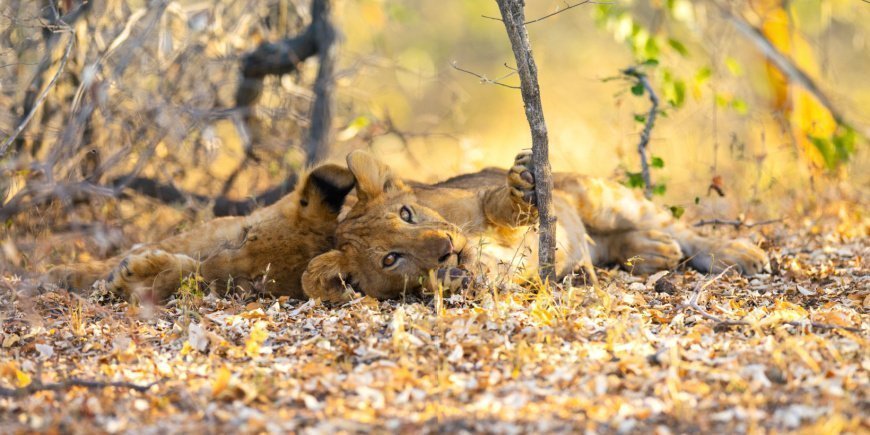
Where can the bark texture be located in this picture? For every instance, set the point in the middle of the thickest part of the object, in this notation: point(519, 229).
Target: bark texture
point(513, 17)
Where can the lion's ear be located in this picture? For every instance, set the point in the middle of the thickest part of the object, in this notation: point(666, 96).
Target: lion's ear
point(326, 277)
point(373, 178)
point(327, 185)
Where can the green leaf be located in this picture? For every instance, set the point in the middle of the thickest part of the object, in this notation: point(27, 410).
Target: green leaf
point(703, 75)
point(635, 180)
point(651, 48)
point(657, 162)
point(678, 47)
point(640, 118)
point(836, 150)
point(659, 189)
point(734, 67)
point(697, 200)
point(844, 144)
point(637, 89)
point(739, 106)
point(679, 93)
point(650, 62)
point(677, 211)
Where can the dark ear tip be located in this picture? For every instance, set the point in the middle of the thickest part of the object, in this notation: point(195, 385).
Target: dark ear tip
point(333, 183)
point(333, 174)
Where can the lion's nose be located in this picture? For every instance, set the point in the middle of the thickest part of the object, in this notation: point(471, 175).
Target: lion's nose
point(446, 249)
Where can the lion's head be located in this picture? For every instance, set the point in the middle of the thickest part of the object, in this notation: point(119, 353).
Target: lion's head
point(386, 243)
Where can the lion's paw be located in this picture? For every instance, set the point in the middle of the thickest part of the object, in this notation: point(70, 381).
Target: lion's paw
point(521, 179)
point(740, 254)
point(452, 279)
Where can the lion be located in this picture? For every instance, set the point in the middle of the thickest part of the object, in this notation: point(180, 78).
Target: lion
point(398, 236)
point(271, 246)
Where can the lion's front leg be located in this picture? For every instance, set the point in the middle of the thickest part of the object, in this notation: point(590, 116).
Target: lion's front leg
point(514, 204)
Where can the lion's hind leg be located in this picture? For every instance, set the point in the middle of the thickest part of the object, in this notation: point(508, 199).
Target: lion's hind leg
point(151, 275)
point(80, 276)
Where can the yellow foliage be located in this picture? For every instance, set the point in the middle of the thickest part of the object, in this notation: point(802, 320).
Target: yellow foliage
point(807, 117)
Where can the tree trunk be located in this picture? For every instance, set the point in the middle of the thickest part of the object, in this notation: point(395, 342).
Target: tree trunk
point(513, 17)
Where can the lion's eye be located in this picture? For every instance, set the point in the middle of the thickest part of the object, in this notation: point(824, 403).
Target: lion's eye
point(406, 215)
point(390, 259)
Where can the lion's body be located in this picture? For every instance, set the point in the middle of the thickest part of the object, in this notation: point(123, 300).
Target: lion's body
point(486, 217)
point(271, 246)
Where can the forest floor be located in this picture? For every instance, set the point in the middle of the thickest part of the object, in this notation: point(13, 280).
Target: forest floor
point(638, 354)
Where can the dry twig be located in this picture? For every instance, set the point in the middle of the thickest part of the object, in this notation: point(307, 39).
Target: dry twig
point(485, 79)
point(737, 223)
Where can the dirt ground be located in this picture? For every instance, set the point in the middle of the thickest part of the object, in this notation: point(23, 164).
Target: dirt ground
point(674, 354)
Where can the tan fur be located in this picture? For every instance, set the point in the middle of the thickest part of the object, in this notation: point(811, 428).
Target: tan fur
point(275, 243)
point(486, 215)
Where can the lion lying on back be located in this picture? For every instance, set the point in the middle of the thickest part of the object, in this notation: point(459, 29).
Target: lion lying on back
point(398, 235)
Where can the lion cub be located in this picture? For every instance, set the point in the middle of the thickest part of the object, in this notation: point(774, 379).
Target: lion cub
point(275, 243)
point(399, 236)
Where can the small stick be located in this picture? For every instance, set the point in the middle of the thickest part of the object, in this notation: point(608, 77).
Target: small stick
point(483, 78)
point(738, 223)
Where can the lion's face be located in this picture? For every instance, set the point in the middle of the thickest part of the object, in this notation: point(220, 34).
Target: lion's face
point(387, 242)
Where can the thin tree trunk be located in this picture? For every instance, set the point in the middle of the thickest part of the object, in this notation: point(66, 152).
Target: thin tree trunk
point(513, 18)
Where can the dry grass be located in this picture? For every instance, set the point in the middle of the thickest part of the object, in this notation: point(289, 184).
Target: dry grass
point(622, 358)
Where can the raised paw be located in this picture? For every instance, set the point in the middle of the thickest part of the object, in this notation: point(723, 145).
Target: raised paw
point(451, 279)
point(740, 254)
point(521, 179)
point(150, 275)
point(648, 251)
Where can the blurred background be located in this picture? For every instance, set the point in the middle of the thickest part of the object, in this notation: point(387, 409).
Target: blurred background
point(118, 94)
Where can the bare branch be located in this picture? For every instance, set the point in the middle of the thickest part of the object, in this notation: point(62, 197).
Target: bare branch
point(483, 78)
point(558, 11)
point(23, 124)
point(647, 128)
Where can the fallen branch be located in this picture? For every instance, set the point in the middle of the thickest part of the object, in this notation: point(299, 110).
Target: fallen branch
point(647, 128)
point(65, 385)
point(738, 223)
point(512, 14)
